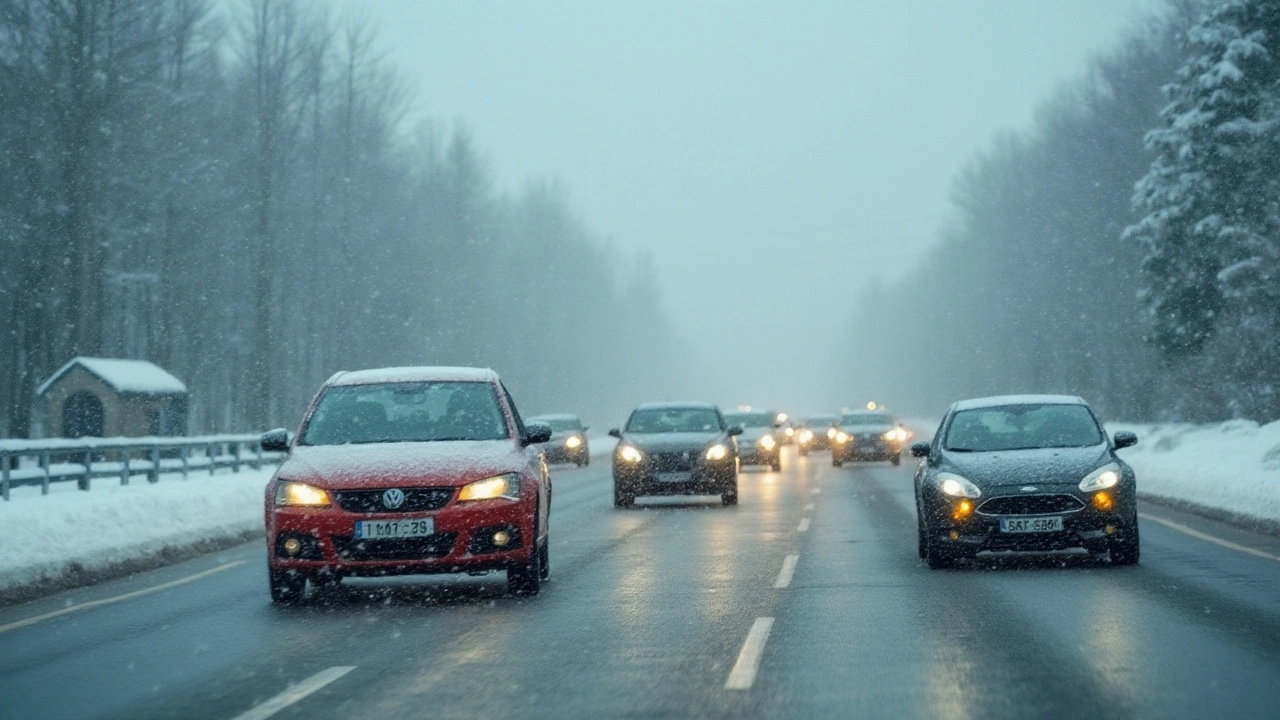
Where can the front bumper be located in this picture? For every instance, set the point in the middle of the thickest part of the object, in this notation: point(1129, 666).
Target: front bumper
point(756, 455)
point(462, 540)
point(704, 479)
point(1087, 527)
point(563, 454)
point(866, 450)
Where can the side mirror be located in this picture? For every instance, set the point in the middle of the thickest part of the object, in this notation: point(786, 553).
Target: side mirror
point(734, 430)
point(920, 449)
point(275, 440)
point(536, 433)
point(615, 433)
point(1124, 439)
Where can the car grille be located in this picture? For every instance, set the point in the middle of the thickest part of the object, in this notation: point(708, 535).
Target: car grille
point(415, 500)
point(432, 546)
point(1030, 505)
point(673, 461)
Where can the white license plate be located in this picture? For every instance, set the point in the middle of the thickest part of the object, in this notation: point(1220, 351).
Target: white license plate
point(390, 529)
point(674, 477)
point(1031, 525)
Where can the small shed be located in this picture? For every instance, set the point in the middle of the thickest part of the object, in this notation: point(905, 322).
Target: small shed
point(108, 397)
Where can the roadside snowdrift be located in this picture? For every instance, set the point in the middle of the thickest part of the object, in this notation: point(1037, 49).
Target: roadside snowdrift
point(1230, 470)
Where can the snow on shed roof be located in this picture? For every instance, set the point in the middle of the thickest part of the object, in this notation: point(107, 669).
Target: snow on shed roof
point(999, 400)
point(415, 374)
point(137, 377)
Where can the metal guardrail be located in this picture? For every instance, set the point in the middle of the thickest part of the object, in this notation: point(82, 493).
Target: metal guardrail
point(83, 459)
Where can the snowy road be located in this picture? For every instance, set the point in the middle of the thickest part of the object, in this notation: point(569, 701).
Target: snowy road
point(807, 600)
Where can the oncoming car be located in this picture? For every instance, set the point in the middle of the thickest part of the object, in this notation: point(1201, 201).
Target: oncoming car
point(568, 443)
point(867, 435)
point(759, 443)
point(1032, 472)
point(816, 433)
point(675, 449)
point(408, 470)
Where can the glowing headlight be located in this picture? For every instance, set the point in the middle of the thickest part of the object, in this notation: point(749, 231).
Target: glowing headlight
point(842, 437)
point(573, 442)
point(790, 432)
point(767, 442)
point(1104, 477)
point(806, 436)
point(296, 494)
point(831, 433)
point(956, 486)
point(717, 452)
point(890, 436)
point(501, 486)
point(629, 454)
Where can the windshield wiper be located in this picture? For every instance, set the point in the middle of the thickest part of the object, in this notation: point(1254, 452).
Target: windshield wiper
point(956, 449)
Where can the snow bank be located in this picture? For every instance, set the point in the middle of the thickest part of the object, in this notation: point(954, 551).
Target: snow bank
point(46, 539)
point(1230, 469)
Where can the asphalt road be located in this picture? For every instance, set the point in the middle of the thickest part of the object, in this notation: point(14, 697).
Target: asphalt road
point(806, 600)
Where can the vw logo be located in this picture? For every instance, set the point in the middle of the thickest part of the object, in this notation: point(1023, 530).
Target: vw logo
point(393, 498)
point(1029, 488)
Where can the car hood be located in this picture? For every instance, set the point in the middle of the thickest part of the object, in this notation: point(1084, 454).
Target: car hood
point(1019, 467)
point(671, 442)
point(401, 464)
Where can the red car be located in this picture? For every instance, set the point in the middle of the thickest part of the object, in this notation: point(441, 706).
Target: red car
point(404, 471)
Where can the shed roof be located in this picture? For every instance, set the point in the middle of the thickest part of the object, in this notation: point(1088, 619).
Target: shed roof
point(129, 377)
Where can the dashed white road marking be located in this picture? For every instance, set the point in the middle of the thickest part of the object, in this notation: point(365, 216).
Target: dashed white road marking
point(294, 693)
point(804, 525)
point(787, 572)
point(118, 598)
point(809, 507)
point(1201, 536)
point(743, 674)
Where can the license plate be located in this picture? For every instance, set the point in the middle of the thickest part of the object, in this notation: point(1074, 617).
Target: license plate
point(1031, 525)
point(674, 477)
point(390, 529)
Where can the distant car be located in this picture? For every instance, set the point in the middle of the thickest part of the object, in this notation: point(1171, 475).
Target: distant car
point(816, 432)
point(1024, 473)
point(675, 449)
point(568, 442)
point(408, 470)
point(760, 442)
point(867, 435)
point(786, 429)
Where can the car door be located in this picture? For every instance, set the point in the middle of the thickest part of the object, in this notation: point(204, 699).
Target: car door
point(536, 458)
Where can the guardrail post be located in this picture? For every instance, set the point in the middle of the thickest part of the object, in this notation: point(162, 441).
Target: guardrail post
point(88, 470)
point(124, 467)
point(257, 462)
point(46, 464)
point(183, 453)
point(154, 475)
point(235, 456)
point(4, 475)
point(213, 458)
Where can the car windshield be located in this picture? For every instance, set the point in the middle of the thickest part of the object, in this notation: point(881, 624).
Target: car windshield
point(558, 424)
point(750, 420)
point(866, 419)
point(1022, 427)
point(406, 412)
point(674, 420)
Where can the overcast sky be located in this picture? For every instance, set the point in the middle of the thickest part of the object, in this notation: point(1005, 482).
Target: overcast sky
point(773, 157)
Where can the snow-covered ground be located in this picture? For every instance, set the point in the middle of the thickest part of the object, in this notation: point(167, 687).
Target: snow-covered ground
point(1230, 468)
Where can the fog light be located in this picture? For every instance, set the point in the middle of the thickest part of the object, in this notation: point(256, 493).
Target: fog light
point(292, 546)
point(953, 535)
point(1110, 529)
point(964, 509)
point(501, 538)
point(1103, 502)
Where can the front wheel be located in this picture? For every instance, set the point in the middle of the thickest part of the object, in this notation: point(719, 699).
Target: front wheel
point(544, 561)
point(526, 580)
point(1125, 549)
point(896, 460)
point(836, 462)
point(776, 466)
point(622, 498)
point(287, 587)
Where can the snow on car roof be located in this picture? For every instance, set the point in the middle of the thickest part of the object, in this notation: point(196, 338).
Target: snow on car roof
point(124, 376)
point(998, 400)
point(415, 374)
point(675, 405)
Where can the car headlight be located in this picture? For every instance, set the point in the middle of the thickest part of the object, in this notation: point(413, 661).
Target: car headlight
point(890, 436)
point(806, 436)
point(767, 442)
point(956, 486)
point(842, 437)
point(500, 486)
point(790, 432)
point(573, 442)
point(717, 452)
point(296, 494)
point(629, 454)
point(831, 433)
point(1104, 477)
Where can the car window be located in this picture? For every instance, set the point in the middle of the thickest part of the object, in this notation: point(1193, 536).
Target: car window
point(673, 420)
point(406, 412)
point(1017, 427)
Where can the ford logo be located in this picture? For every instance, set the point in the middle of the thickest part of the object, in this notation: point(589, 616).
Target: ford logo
point(393, 498)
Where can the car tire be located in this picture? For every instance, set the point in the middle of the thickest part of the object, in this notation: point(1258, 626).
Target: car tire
point(1125, 550)
point(921, 545)
point(622, 498)
point(287, 588)
point(896, 460)
point(526, 580)
point(836, 462)
point(544, 562)
point(776, 465)
point(937, 558)
point(730, 496)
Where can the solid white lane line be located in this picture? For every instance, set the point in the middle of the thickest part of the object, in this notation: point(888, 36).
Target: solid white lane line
point(1209, 538)
point(788, 570)
point(808, 507)
point(294, 693)
point(743, 674)
point(118, 598)
point(804, 525)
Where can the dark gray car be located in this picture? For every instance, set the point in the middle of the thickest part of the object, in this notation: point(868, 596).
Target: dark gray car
point(1028, 472)
point(675, 449)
